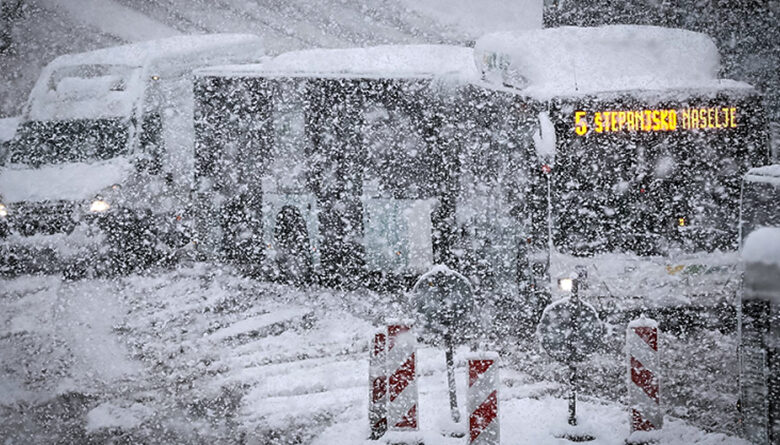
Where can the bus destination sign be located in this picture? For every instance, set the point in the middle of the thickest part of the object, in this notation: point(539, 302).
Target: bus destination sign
point(654, 120)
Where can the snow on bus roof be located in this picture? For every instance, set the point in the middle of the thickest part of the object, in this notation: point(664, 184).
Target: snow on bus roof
point(767, 170)
point(140, 53)
point(386, 61)
point(766, 174)
point(578, 60)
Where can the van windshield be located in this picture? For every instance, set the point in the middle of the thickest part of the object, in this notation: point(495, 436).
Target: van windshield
point(83, 140)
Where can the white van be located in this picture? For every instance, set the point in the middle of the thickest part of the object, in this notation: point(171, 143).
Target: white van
point(102, 161)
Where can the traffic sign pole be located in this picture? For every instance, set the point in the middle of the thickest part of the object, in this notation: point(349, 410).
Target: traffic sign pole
point(575, 298)
point(451, 380)
point(570, 330)
point(445, 300)
point(572, 395)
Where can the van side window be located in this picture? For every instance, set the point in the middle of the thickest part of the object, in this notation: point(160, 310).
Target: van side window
point(151, 141)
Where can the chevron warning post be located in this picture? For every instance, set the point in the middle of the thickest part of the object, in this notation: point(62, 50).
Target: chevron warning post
point(402, 395)
point(377, 381)
point(483, 399)
point(643, 379)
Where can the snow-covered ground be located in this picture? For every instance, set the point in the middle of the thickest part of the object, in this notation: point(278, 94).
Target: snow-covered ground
point(201, 354)
point(8, 127)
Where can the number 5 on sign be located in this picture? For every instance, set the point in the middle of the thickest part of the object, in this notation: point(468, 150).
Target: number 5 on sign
point(580, 126)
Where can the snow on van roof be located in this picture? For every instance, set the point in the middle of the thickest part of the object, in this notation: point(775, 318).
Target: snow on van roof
point(386, 61)
point(108, 82)
point(577, 60)
point(138, 54)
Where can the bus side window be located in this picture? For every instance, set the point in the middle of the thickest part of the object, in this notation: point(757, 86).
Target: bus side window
point(151, 141)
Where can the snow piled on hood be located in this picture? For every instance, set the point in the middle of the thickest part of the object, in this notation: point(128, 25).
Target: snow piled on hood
point(111, 81)
point(72, 182)
point(574, 60)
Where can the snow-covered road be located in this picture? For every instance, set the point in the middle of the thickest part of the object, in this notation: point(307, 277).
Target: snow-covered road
point(203, 355)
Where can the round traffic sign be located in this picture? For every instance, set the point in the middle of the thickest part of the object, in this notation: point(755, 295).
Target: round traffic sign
point(445, 299)
point(570, 330)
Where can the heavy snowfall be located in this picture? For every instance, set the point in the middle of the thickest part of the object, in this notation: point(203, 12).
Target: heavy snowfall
point(389, 222)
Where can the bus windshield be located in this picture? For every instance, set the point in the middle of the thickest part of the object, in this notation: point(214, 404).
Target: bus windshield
point(650, 192)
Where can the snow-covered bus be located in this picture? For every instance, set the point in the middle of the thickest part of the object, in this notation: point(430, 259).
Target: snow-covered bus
point(101, 164)
point(633, 183)
point(615, 153)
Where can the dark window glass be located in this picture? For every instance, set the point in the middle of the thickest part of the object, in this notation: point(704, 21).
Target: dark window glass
point(51, 142)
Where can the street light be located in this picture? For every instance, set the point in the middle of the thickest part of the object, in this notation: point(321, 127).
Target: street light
point(568, 285)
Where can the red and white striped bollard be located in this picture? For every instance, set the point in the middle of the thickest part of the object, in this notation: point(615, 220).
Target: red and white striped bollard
point(402, 395)
point(377, 380)
point(483, 399)
point(643, 379)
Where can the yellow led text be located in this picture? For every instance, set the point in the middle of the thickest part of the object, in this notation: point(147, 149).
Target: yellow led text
point(701, 118)
point(654, 120)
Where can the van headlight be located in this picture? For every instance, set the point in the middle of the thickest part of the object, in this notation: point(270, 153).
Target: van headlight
point(99, 206)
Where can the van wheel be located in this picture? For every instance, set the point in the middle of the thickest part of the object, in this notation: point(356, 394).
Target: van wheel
point(75, 271)
point(131, 243)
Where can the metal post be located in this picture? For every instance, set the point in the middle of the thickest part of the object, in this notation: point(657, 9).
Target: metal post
point(572, 396)
point(572, 368)
point(451, 380)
